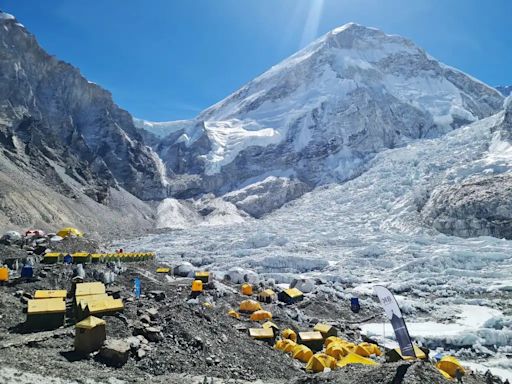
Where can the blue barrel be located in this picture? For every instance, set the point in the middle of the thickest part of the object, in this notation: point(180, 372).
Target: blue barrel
point(27, 271)
point(354, 305)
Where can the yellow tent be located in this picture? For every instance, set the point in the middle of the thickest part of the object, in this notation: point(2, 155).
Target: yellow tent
point(267, 296)
point(333, 339)
point(283, 344)
point(396, 354)
point(246, 289)
point(326, 330)
point(289, 334)
point(70, 232)
point(233, 314)
point(352, 358)
point(320, 361)
point(271, 325)
point(4, 274)
point(163, 270)
point(302, 353)
point(250, 306)
point(197, 286)
point(450, 365)
point(265, 334)
point(370, 348)
point(41, 294)
point(261, 315)
point(336, 350)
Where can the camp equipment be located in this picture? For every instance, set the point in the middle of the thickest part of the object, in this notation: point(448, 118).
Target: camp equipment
point(318, 362)
point(267, 296)
point(45, 314)
point(326, 330)
point(70, 232)
point(450, 365)
point(261, 315)
point(4, 274)
point(27, 271)
point(289, 334)
point(250, 306)
point(234, 314)
point(302, 353)
point(90, 334)
point(246, 289)
point(290, 296)
point(47, 294)
point(353, 358)
point(163, 270)
point(68, 259)
point(51, 258)
point(204, 276)
point(354, 305)
point(264, 334)
point(313, 340)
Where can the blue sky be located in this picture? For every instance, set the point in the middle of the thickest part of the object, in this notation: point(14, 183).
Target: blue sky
point(169, 59)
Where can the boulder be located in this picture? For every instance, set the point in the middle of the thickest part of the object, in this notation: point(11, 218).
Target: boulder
point(184, 269)
point(115, 352)
point(11, 238)
point(303, 285)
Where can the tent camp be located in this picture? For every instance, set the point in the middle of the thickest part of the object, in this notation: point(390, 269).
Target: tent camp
point(246, 289)
point(326, 330)
point(70, 232)
point(250, 306)
point(396, 355)
point(320, 361)
point(285, 345)
point(90, 334)
point(264, 334)
point(267, 296)
point(450, 365)
point(302, 353)
point(353, 358)
point(289, 334)
point(290, 296)
point(312, 340)
point(261, 315)
point(45, 314)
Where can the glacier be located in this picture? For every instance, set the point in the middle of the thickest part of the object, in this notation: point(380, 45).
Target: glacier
point(370, 230)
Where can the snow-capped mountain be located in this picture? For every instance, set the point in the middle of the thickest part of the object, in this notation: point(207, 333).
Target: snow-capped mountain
point(68, 153)
point(505, 90)
point(321, 114)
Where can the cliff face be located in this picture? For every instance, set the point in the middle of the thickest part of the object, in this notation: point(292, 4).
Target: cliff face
point(50, 114)
point(65, 146)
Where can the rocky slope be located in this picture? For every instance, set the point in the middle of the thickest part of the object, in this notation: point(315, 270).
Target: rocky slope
point(321, 114)
point(67, 152)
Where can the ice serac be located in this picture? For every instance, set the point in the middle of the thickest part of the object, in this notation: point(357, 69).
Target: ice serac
point(323, 112)
point(480, 205)
point(62, 132)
